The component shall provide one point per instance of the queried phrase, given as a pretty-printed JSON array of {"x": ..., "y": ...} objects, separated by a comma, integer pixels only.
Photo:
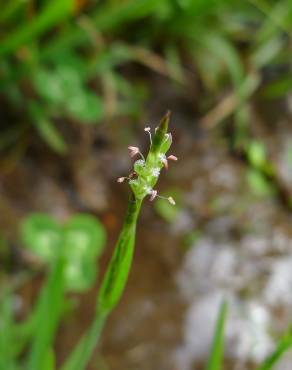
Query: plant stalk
[{"x": 111, "y": 289}]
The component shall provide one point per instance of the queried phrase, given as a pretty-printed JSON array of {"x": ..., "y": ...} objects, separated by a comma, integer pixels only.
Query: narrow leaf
[{"x": 217, "y": 352}]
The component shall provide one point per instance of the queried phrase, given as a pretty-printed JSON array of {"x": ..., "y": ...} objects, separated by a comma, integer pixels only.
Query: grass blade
[
  {"x": 217, "y": 352},
  {"x": 7, "y": 360},
  {"x": 54, "y": 12},
  {"x": 49, "y": 308},
  {"x": 284, "y": 344}
]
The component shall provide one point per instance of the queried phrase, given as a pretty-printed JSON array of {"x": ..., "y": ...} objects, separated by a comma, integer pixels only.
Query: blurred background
[{"x": 79, "y": 80}]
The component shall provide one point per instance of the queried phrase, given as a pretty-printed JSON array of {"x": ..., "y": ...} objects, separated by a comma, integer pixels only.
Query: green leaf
[
  {"x": 81, "y": 239},
  {"x": 84, "y": 239},
  {"x": 48, "y": 313},
  {"x": 7, "y": 324},
  {"x": 54, "y": 12},
  {"x": 47, "y": 129},
  {"x": 49, "y": 362},
  {"x": 222, "y": 49},
  {"x": 42, "y": 235},
  {"x": 216, "y": 357},
  {"x": 64, "y": 90},
  {"x": 278, "y": 88},
  {"x": 80, "y": 275},
  {"x": 59, "y": 84},
  {"x": 284, "y": 344},
  {"x": 85, "y": 106},
  {"x": 84, "y": 235},
  {"x": 256, "y": 153},
  {"x": 265, "y": 54},
  {"x": 258, "y": 183}
]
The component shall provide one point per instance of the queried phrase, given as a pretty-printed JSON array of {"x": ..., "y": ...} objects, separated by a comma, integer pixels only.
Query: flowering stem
[
  {"x": 141, "y": 181},
  {"x": 117, "y": 273},
  {"x": 111, "y": 288}
]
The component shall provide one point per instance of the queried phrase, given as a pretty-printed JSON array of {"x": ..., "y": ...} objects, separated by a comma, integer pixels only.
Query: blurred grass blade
[
  {"x": 105, "y": 18},
  {"x": 9, "y": 9},
  {"x": 46, "y": 129},
  {"x": 221, "y": 48},
  {"x": 49, "y": 363},
  {"x": 217, "y": 351},
  {"x": 81, "y": 354},
  {"x": 278, "y": 88},
  {"x": 284, "y": 344},
  {"x": 6, "y": 332},
  {"x": 265, "y": 54},
  {"x": 49, "y": 308},
  {"x": 54, "y": 12}
]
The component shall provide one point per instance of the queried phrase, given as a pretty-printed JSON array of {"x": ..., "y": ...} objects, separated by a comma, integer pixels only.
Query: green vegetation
[
  {"x": 52, "y": 52},
  {"x": 71, "y": 253},
  {"x": 216, "y": 356},
  {"x": 69, "y": 63}
]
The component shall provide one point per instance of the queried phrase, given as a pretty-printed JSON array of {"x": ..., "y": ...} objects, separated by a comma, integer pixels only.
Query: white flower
[
  {"x": 155, "y": 172},
  {"x": 147, "y": 189},
  {"x": 140, "y": 163}
]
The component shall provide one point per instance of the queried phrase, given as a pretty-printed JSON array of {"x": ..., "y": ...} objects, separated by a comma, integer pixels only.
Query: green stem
[
  {"x": 82, "y": 353},
  {"x": 117, "y": 273},
  {"x": 111, "y": 289},
  {"x": 48, "y": 314}
]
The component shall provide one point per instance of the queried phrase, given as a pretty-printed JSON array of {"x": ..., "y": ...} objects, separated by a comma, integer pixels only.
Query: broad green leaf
[
  {"x": 64, "y": 90},
  {"x": 84, "y": 239},
  {"x": 42, "y": 235},
  {"x": 81, "y": 274},
  {"x": 81, "y": 239},
  {"x": 84, "y": 236},
  {"x": 85, "y": 106},
  {"x": 59, "y": 84}
]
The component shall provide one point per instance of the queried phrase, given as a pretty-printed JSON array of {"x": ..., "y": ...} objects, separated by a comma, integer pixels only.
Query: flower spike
[{"x": 146, "y": 171}]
